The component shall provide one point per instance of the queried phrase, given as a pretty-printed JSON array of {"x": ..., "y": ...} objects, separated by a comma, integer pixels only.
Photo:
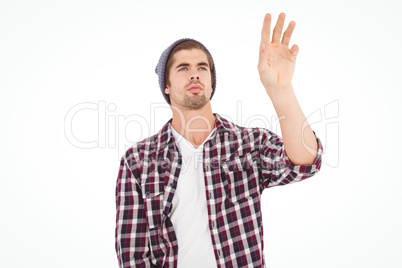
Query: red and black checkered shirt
[{"x": 239, "y": 163}]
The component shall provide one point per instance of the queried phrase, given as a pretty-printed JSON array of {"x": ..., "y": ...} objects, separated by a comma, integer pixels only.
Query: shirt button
[
  {"x": 210, "y": 195},
  {"x": 147, "y": 193},
  {"x": 219, "y": 252},
  {"x": 171, "y": 184},
  {"x": 208, "y": 168},
  {"x": 213, "y": 224}
]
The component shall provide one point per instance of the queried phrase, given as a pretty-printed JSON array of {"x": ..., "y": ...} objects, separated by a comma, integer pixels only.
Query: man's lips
[{"x": 195, "y": 89}]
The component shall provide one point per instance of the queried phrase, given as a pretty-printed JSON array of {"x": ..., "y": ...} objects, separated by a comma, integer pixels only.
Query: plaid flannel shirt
[{"x": 239, "y": 163}]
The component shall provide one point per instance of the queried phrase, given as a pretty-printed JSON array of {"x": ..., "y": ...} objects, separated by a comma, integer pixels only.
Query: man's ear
[{"x": 167, "y": 90}]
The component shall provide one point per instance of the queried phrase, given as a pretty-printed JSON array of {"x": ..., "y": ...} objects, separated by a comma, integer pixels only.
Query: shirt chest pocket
[
  {"x": 241, "y": 175},
  {"x": 153, "y": 196}
]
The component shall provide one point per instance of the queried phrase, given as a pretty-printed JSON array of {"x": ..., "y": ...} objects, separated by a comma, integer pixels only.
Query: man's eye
[
  {"x": 182, "y": 69},
  {"x": 203, "y": 68}
]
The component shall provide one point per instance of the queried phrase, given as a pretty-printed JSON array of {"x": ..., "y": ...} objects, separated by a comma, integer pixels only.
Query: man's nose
[{"x": 194, "y": 75}]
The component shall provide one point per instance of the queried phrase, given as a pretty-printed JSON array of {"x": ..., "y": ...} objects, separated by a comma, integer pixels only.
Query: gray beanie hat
[{"x": 160, "y": 69}]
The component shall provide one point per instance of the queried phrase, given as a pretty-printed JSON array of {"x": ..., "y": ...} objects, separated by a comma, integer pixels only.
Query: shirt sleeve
[
  {"x": 276, "y": 167},
  {"x": 131, "y": 232}
]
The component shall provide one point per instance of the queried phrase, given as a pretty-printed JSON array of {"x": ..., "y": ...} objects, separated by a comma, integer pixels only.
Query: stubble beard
[
  {"x": 190, "y": 102},
  {"x": 194, "y": 102}
]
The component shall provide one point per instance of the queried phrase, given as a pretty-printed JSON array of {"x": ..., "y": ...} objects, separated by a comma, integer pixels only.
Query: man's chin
[{"x": 195, "y": 102}]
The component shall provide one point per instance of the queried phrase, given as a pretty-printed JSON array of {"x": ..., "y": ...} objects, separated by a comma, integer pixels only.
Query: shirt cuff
[{"x": 309, "y": 169}]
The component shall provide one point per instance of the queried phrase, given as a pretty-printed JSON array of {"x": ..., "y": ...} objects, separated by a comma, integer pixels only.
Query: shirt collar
[
  {"x": 222, "y": 124},
  {"x": 165, "y": 135}
]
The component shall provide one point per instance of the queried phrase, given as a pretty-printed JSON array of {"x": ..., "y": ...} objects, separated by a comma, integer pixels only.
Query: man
[{"x": 189, "y": 196}]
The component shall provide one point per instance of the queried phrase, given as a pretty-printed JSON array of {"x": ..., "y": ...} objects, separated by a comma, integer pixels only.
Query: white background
[{"x": 57, "y": 203}]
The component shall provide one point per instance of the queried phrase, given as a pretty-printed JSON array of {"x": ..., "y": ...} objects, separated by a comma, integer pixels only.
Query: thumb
[
  {"x": 263, "y": 58},
  {"x": 294, "y": 50}
]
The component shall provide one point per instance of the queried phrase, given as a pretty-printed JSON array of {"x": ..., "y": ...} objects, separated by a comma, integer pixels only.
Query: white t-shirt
[{"x": 189, "y": 209}]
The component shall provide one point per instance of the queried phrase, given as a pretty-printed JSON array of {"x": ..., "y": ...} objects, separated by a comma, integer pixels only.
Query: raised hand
[{"x": 276, "y": 63}]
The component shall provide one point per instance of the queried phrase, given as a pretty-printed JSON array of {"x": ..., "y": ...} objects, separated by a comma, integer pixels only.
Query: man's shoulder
[
  {"x": 147, "y": 146},
  {"x": 247, "y": 132}
]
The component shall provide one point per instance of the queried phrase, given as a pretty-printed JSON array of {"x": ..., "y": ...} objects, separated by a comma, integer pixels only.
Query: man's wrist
[{"x": 281, "y": 97}]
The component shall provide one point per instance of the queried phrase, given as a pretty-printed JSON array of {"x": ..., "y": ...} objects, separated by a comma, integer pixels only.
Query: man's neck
[{"x": 194, "y": 125}]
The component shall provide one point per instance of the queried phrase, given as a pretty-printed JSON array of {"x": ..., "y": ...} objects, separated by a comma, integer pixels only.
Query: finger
[
  {"x": 276, "y": 36},
  {"x": 266, "y": 30},
  {"x": 288, "y": 33}
]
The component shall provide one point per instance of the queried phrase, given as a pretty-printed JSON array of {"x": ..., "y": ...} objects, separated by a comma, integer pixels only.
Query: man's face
[{"x": 190, "y": 80}]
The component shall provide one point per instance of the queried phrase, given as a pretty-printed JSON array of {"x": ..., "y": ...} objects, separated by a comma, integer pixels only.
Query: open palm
[{"x": 276, "y": 63}]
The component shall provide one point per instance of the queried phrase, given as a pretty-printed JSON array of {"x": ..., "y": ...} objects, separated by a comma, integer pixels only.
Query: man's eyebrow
[{"x": 184, "y": 64}]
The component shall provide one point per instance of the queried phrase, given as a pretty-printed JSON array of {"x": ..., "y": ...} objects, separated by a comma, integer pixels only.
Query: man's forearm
[{"x": 298, "y": 137}]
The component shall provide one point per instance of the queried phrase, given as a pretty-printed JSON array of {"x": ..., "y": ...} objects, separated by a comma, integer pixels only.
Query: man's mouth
[{"x": 195, "y": 89}]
